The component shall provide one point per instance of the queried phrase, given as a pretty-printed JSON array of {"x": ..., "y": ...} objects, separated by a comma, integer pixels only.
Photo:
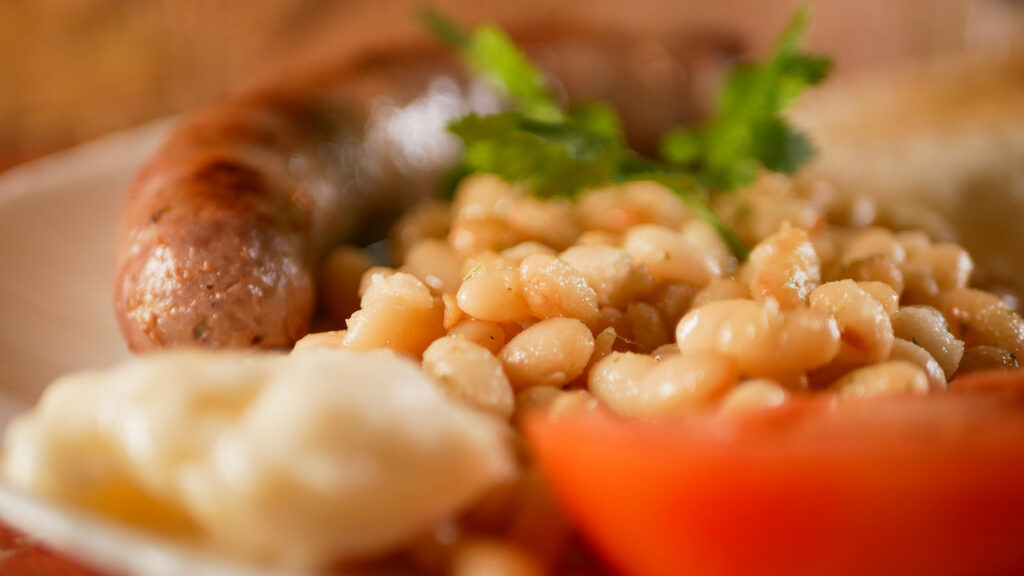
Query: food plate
[
  {"x": 57, "y": 219},
  {"x": 57, "y": 223}
]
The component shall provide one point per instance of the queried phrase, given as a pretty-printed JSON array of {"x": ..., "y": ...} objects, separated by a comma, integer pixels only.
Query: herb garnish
[
  {"x": 748, "y": 130},
  {"x": 557, "y": 152}
]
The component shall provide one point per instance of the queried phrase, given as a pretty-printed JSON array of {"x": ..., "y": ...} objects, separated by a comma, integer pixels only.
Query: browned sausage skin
[{"x": 221, "y": 230}]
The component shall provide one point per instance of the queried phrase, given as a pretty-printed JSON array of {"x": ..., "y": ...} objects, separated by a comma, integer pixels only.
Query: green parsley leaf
[
  {"x": 553, "y": 152},
  {"x": 748, "y": 131},
  {"x": 492, "y": 55},
  {"x": 444, "y": 28},
  {"x": 550, "y": 158}
]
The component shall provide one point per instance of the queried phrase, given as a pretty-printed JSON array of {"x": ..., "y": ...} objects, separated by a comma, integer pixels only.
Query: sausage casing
[{"x": 222, "y": 229}]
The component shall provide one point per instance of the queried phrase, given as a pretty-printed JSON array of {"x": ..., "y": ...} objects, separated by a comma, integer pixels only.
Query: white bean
[
  {"x": 751, "y": 395},
  {"x": 906, "y": 350},
  {"x": 761, "y": 339},
  {"x": 865, "y": 327},
  {"x": 983, "y": 319},
  {"x": 435, "y": 263},
  {"x": 550, "y": 353},
  {"x": 670, "y": 256},
  {"x": 470, "y": 373},
  {"x": 610, "y": 271},
  {"x": 494, "y": 294},
  {"x": 398, "y": 312},
  {"x": 926, "y": 327},
  {"x": 892, "y": 377},
  {"x": 553, "y": 288},
  {"x": 615, "y": 379},
  {"x": 784, "y": 266}
]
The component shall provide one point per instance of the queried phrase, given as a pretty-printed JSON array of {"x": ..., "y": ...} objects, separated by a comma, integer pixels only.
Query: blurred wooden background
[{"x": 71, "y": 70}]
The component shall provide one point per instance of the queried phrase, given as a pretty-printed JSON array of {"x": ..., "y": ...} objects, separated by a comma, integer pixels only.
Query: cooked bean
[
  {"x": 472, "y": 265},
  {"x": 883, "y": 294},
  {"x": 615, "y": 379},
  {"x": 610, "y": 271},
  {"x": 604, "y": 343},
  {"x": 612, "y": 318},
  {"x": 876, "y": 268},
  {"x": 939, "y": 269},
  {"x": 316, "y": 340},
  {"x": 759, "y": 214},
  {"x": 950, "y": 265},
  {"x": 682, "y": 383},
  {"x": 516, "y": 254},
  {"x": 452, "y": 313},
  {"x": 705, "y": 238},
  {"x": 721, "y": 289},
  {"x": 828, "y": 245},
  {"x": 670, "y": 256},
  {"x": 920, "y": 286},
  {"x": 865, "y": 327},
  {"x": 553, "y": 288},
  {"x": 550, "y": 353},
  {"x": 978, "y": 358},
  {"x": 536, "y": 398},
  {"x": 874, "y": 242},
  {"x": 906, "y": 350},
  {"x": 752, "y": 395},
  {"x": 914, "y": 242},
  {"x": 512, "y": 329},
  {"x": 480, "y": 196},
  {"x": 673, "y": 300},
  {"x": 648, "y": 329},
  {"x": 470, "y": 373},
  {"x": 480, "y": 557},
  {"x": 598, "y": 238},
  {"x": 926, "y": 327},
  {"x": 664, "y": 351},
  {"x": 550, "y": 221},
  {"x": 843, "y": 209},
  {"x": 398, "y": 312},
  {"x": 468, "y": 237},
  {"x": 892, "y": 377},
  {"x": 340, "y": 276},
  {"x": 784, "y": 266},
  {"x": 436, "y": 264},
  {"x": 983, "y": 319},
  {"x": 494, "y": 294},
  {"x": 431, "y": 220},
  {"x": 761, "y": 339},
  {"x": 490, "y": 335},
  {"x": 617, "y": 208},
  {"x": 371, "y": 276},
  {"x": 636, "y": 385},
  {"x": 572, "y": 402}
]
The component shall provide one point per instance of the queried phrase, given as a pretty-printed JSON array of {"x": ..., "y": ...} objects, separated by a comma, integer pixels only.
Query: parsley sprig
[
  {"x": 557, "y": 152},
  {"x": 748, "y": 131}
]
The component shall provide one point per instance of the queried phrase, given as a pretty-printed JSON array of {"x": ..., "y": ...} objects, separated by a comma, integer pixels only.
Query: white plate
[
  {"x": 57, "y": 223},
  {"x": 58, "y": 218}
]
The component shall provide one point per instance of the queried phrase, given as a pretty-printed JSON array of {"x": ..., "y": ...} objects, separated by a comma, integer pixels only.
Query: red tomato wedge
[{"x": 897, "y": 486}]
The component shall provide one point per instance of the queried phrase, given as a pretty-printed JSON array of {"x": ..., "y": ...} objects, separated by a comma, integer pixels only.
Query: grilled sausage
[{"x": 222, "y": 229}]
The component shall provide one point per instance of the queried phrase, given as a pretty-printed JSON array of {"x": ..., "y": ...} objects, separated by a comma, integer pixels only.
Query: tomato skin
[
  {"x": 897, "y": 486},
  {"x": 1009, "y": 383}
]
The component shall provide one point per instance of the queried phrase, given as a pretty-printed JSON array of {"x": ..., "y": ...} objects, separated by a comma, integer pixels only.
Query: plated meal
[{"x": 553, "y": 315}]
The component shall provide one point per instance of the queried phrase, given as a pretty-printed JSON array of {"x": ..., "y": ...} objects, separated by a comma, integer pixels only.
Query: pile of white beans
[{"x": 624, "y": 298}]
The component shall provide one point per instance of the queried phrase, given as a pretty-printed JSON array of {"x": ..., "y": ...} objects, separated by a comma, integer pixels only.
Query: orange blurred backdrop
[{"x": 71, "y": 70}]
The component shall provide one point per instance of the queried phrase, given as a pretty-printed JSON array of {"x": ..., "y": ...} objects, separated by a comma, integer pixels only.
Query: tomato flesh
[{"x": 911, "y": 485}]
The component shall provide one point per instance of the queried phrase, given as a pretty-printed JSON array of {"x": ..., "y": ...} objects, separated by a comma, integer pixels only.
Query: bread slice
[{"x": 939, "y": 147}]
